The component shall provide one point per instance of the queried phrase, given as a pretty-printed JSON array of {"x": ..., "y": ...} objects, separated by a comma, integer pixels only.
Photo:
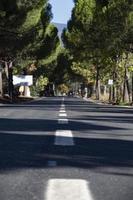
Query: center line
[
  {"x": 62, "y": 111},
  {"x": 62, "y": 106},
  {"x": 62, "y": 121},
  {"x": 68, "y": 189},
  {"x": 64, "y": 138},
  {"x": 62, "y": 114}
]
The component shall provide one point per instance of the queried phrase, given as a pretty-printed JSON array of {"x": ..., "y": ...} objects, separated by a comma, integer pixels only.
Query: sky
[{"x": 61, "y": 10}]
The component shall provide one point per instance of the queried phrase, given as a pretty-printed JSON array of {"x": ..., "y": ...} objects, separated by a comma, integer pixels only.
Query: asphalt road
[{"x": 66, "y": 149}]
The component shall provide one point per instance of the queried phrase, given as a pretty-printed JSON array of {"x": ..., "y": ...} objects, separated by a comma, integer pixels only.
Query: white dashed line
[
  {"x": 68, "y": 189},
  {"x": 62, "y": 111},
  {"x": 62, "y": 106},
  {"x": 62, "y": 121},
  {"x": 64, "y": 138},
  {"x": 62, "y": 115}
]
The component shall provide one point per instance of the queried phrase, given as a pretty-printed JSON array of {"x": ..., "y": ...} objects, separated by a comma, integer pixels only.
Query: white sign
[
  {"x": 110, "y": 82},
  {"x": 25, "y": 80}
]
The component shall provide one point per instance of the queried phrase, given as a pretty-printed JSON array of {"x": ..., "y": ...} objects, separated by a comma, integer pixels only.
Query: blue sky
[{"x": 61, "y": 10}]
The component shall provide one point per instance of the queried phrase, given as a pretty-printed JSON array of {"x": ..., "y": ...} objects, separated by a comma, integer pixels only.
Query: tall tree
[
  {"x": 96, "y": 34},
  {"x": 26, "y": 33}
]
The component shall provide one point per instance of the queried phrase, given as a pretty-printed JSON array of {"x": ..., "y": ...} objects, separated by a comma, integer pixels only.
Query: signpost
[
  {"x": 24, "y": 81},
  {"x": 110, "y": 82}
]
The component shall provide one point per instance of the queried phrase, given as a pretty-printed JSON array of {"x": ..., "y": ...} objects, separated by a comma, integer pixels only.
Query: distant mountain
[{"x": 60, "y": 28}]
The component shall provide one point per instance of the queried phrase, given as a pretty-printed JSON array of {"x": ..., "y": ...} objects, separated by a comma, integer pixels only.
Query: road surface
[{"x": 66, "y": 148}]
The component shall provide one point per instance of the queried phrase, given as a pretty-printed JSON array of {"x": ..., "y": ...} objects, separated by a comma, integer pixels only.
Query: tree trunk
[
  {"x": 126, "y": 90},
  {"x": 110, "y": 94},
  {"x": 132, "y": 87},
  {"x": 1, "y": 89},
  {"x": 114, "y": 87},
  {"x": 97, "y": 83},
  {"x": 10, "y": 83}
]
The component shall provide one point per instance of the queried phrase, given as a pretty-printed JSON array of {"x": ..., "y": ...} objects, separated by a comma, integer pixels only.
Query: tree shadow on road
[
  {"x": 26, "y": 143},
  {"x": 87, "y": 106},
  {"x": 47, "y": 125}
]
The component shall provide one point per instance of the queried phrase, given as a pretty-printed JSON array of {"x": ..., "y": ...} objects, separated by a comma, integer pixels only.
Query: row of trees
[
  {"x": 98, "y": 44},
  {"x": 28, "y": 41},
  {"x": 99, "y": 41}
]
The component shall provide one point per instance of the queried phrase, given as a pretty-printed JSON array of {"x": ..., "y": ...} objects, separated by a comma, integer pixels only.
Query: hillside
[{"x": 60, "y": 27}]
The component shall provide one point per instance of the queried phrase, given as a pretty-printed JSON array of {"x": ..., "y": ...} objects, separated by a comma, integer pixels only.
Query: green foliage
[
  {"x": 94, "y": 32},
  {"x": 97, "y": 35},
  {"x": 63, "y": 88},
  {"x": 39, "y": 86},
  {"x": 26, "y": 34},
  {"x": 82, "y": 70},
  {"x": 62, "y": 70},
  {"x": 41, "y": 83},
  {"x": 49, "y": 44}
]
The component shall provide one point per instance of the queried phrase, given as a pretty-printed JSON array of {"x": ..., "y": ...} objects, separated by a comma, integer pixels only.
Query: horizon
[{"x": 58, "y": 23}]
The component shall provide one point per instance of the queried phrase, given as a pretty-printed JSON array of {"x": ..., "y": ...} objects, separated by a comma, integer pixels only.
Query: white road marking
[
  {"x": 64, "y": 138},
  {"x": 62, "y": 115},
  {"x": 62, "y": 111},
  {"x": 52, "y": 163},
  {"x": 61, "y": 108},
  {"x": 68, "y": 189},
  {"x": 62, "y": 121}
]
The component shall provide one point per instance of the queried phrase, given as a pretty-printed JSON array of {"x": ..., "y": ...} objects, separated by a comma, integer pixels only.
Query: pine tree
[
  {"x": 26, "y": 34},
  {"x": 98, "y": 35}
]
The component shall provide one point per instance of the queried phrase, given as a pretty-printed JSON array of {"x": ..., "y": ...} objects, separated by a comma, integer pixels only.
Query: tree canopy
[
  {"x": 25, "y": 30},
  {"x": 98, "y": 34}
]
